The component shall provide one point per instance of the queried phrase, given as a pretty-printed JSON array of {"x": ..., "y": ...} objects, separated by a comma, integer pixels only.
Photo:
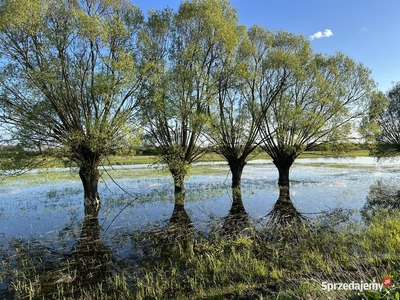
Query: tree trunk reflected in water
[
  {"x": 237, "y": 222},
  {"x": 172, "y": 242},
  {"x": 180, "y": 219},
  {"x": 91, "y": 256},
  {"x": 89, "y": 263},
  {"x": 79, "y": 264},
  {"x": 284, "y": 213},
  {"x": 382, "y": 197},
  {"x": 176, "y": 240}
]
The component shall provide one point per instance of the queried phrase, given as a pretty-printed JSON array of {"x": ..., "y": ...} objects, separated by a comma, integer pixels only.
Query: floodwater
[
  {"x": 46, "y": 206},
  {"x": 49, "y": 209}
]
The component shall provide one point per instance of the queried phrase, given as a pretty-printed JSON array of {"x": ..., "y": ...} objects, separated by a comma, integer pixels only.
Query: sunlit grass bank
[
  {"x": 50, "y": 171},
  {"x": 49, "y": 161},
  {"x": 176, "y": 262},
  {"x": 141, "y": 159},
  {"x": 54, "y": 175}
]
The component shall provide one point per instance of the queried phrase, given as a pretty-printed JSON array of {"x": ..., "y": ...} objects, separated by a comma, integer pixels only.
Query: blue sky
[{"x": 368, "y": 31}]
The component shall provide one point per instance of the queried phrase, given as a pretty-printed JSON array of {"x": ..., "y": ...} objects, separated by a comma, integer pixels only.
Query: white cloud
[{"x": 321, "y": 34}]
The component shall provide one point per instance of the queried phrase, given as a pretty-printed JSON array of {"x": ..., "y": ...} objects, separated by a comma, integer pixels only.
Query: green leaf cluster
[{"x": 71, "y": 74}]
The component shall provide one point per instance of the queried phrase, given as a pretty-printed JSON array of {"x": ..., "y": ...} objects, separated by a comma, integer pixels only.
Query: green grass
[
  {"x": 352, "y": 153},
  {"x": 132, "y": 160},
  {"x": 282, "y": 263},
  {"x": 52, "y": 162},
  {"x": 293, "y": 266},
  {"x": 211, "y": 157},
  {"x": 151, "y": 168}
]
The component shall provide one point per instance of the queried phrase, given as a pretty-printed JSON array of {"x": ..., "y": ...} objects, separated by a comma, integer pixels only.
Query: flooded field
[
  {"x": 43, "y": 203},
  {"x": 46, "y": 207}
]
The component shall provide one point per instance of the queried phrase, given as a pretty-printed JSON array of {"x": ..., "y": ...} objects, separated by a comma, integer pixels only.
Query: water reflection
[
  {"x": 383, "y": 196},
  {"x": 88, "y": 264},
  {"x": 238, "y": 221},
  {"x": 165, "y": 243},
  {"x": 73, "y": 267},
  {"x": 284, "y": 213},
  {"x": 179, "y": 220},
  {"x": 91, "y": 257}
]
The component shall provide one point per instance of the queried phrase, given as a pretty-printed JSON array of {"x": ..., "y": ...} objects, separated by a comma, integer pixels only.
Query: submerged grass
[{"x": 178, "y": 262}]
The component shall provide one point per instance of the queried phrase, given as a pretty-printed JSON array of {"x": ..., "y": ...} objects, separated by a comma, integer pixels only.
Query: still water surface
[{"x": 47, "y": 208}]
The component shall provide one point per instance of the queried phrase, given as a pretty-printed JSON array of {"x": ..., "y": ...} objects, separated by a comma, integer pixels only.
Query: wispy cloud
[{"x": 321, "y": 34}]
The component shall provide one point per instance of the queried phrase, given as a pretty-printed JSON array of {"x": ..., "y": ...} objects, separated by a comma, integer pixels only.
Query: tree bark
[
  {"x": 284, "y": 195},
  {"x": 179, "y": 179},
  {"x": 236, "y": 166},
  {"x": 283, "y": 167},
  {"x": 90, "y": 175}
]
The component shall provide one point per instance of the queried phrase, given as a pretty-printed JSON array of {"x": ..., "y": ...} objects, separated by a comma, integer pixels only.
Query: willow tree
[
  {"x": 234, "y": 118},
  {"x": 251, "y": 84},
  {"x": 70, "y": 77},
  {"x": 387, "y": 137},
  {"x": 320, "y": 101},
  {"x": 184, "y": 51}
]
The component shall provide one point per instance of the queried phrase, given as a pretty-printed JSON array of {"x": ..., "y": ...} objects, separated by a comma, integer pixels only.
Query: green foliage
[
  {"x": 70, "y": 74},
  {"x": 309, "y": 99},
  {"x": 234, "y": 117},
  {"x": 322, "y": 98},
  {"x": 24, "y": 13},
  {"x": 15, "y": 160},
  {"x": 185, "y": 51},
  {"x": 75, "y": 73},
  {"x": 384, "y": 120}
]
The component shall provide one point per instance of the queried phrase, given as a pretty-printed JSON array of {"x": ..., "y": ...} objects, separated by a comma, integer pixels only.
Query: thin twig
[{"x": 128, "y": 204}]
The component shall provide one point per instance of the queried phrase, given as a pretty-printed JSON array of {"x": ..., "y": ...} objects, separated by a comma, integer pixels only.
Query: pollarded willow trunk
[
  {"x": 88, "y": 161},
  {"x": 90, "y": 176},
  {"x": 179, "y": 179},
  {"x": 284, "y": 195},
  {"x": 283, "y": 167},
  {"x": 236, "y": 166}
]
